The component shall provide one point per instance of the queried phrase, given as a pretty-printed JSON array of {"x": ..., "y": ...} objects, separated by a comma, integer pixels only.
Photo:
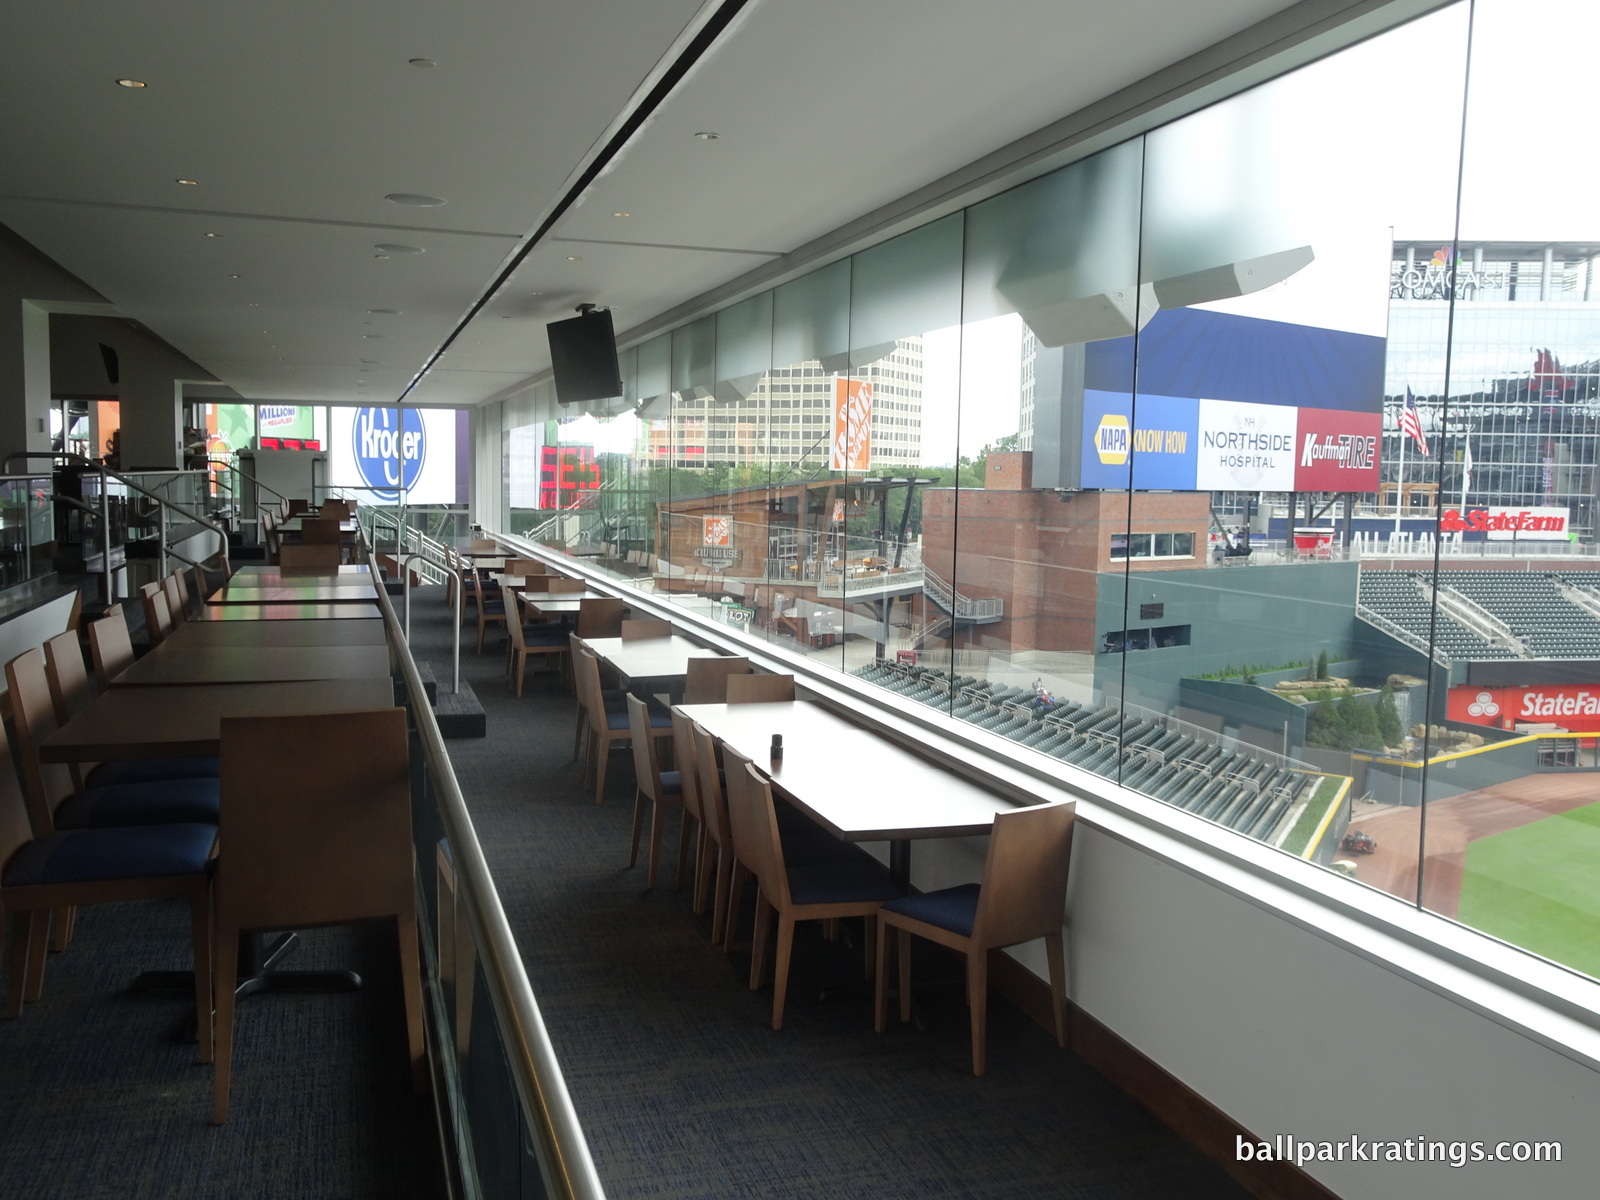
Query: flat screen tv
[{"x": 583, "y": 357}]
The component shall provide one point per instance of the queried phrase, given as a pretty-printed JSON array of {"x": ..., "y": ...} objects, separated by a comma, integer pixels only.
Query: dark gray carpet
[{"x": 683, "y": 1088}]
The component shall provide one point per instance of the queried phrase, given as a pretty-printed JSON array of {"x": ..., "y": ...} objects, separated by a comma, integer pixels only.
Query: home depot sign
[
  {"x": 1573, "y": 707},
  {"x": 1501, "y": 523}
]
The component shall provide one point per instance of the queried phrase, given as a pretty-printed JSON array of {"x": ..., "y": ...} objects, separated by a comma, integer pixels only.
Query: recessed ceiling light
[
  {"x": 384, "y": 312},
  {"x": 413, "y": 200},
  {"x": 235, "y": 276},
  {"x": 397, "y": 248},
  {"x": 188, "y": 182},
  {"x": 369, "y": 361},
  {"x": 621, "y": 214},
  {"x": 373, "y": 337},
  {"x": 213, "y": 235},
  {"x": 252, "y": 304},
  {"x": 574, "y": 258},
  {"x": 707, "y": 136},
  {"x": 380, "y": 256},
  {"x": 423, "y": 63},
  {"x": 130, "y": 83}
]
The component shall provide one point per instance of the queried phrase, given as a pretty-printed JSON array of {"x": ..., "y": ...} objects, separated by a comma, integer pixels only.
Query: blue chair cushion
[
  {"x": 952, "y": 908},
  {"x": 672, "y": 783},
  {"x": 840, "y": 883},
  {"x": 142, "y": 852},
  {"x": 144, "y": 770},
  {"x": 660, "y": 718},
  {"x": 159, "y": 802}
]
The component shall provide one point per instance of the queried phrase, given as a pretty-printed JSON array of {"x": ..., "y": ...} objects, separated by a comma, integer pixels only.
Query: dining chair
[
  {"x": 293, "y": 506},
  {"x": 174, "y": 598},
  {"x": 692, "y": 837},
  {"x": 604, "y": 719},
  {"x": 529, "y": 638},
  {"x": 714, "y": 815},
  {"x": 198, "y": 587},
  {"x": 53, "y": 800},
  {"x": 70, "y": 694},
  {"x": 491, "y": 606},
  {"x": 848, "y": 888},
  {"x": 1022, "y": 897},
  {"x": 522, "y": 566},
  {"x": 639, "y": 629},
  {"x": 110, "y": 647},
  {"x": 335, "y": 509},
  {"x": 483, "y": 545},
  {"x": 662, "y": 790},
  {"x": 157, "y": 617},
  {"x": 560, "y": 585},
  {"x": 319, "y": 837},
  {"x": 269, "y": 534},
  {"x": 324, "y": 531},
  {"x": 180, "y": 576},
  {"x": 601, "y": 617},
  {"x": 707, "y": 679},
  {"x": 45, "y": 871},
  {"x": 760, "y": 689},
  {"x": 309, "y": 555}
]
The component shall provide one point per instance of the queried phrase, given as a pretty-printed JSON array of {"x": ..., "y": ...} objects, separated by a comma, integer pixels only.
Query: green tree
[
  {"x": 1325, "y": 728},
  {"x": 1389, "y": 727},
  {"x": 1322, "y": 665},
  {"x": 1360, "y": 723}
]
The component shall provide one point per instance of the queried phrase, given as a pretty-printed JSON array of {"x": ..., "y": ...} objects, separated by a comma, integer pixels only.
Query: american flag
[{"x": 1410, "y": 425}]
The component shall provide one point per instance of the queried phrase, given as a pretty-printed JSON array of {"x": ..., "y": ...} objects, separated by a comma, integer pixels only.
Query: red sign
[
  {"x": 568, "y": 469},
  {"x": 1500, "y": 523},
  {"x": 1570, "y": 706},
  {"x": 1336, "y": 451}
]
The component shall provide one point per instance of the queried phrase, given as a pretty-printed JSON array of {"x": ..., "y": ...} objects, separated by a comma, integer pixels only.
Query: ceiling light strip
[{"x": 716, "y": 23}]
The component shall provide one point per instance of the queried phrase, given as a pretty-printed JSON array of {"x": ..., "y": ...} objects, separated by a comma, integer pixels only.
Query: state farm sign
[
  {"x": 1502, "y": 523},
  {"x": 1572, "y": 707}
]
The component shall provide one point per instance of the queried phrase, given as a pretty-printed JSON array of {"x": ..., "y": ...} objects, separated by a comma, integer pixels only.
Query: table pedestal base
[{"x": 256, "y": 973}]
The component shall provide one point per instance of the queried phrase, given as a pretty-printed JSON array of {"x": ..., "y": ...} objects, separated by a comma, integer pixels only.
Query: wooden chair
[
  {"x": 157, "y": 617},
  {"x": 110, "y": 647},
  {"x": 269, "y": 534},
  {"x": 70, "y": 693},
  {"x": 850, "y": 888},
  {"x": 1022, "y": 897},
  {"x": 707, "y": 680},
  {"x": 560, "y": 585},
  {"x": 174, "y": 598},
  {"x": 491, "y": 606},
  {"x": 53, "y": 799},
  {"x": 482, "y": 545},
  {"x": 318, "y": 837},
  {"x": 186, "y": 600},
  {"x": 40, "y": 872},
  {"x": 310, "y": 556},
  {"x": 601, "y": 618},
  {"x": 640, "y": 630},
  {"x": 714, "y": 818},
  {"x": 523, "y": 566},
  {"x": 322, "y": 532},
  {"x": 606, "y": 723},
  {"x": 293, "y": 506},
  {"x": 663, "y": 790},
  {"x": 335, "y": 509},
  {"x": 198, "y": 585},
  {"x": 541, "y": 639},
  {"x": 760, "y": 689}
]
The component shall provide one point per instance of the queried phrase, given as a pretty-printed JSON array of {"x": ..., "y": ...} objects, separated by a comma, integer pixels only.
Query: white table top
[
  {"x": 857, "y": 785},
  {"x": 649, "y": 658}
]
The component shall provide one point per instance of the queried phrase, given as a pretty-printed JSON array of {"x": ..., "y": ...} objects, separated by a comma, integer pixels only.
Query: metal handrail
[
  {"x": 461, "y": 584},
  {"x": 234, "y": 466},
  {"x": 564, "y": 1159},
  {"x": 105, "y": 509}
]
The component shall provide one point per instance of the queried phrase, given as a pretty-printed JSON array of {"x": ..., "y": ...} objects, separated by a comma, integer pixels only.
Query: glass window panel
[
  {"x": 694, "y": 353},
  {"x": 655, "y": 368},
  {"x": 811, "y": 318}
]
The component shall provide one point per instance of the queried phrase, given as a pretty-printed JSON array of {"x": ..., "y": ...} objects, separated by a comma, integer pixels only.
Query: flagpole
[{"x": 1400, "y": 481}]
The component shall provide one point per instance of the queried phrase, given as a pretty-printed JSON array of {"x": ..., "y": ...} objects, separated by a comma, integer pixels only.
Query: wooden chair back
[
  {"x": 538, "y": 585},
  {"x": 586, "y": 678},
  {"x": 309, "y": 555},
  {"x": 478, "y": 544},
  {"x": 157, "y": 617},
  {"x": 197, "y": 585},
  {"x": 746, "y": 830},
  {"x": 294, "y": 506},
  {"x": 16, "y": 824},
  {"x": 514, "y": 619},
  {"x": 646, "y": 765},
  {"x": 323, "y": 532},
  {"x": 70, "y": 690},
  {"x": 110, "y": 647},
  {"x": 760, "y": 689},
  {"x": 523, "y": 566},
  {"x": 180, "y": 576},
  {"x": 601, "y": 618},
  {"x": 1024, "y": 892},
  {"x": 683, "y": 756},
  {"x": 561, "y": 585},
  {"x": 335, "y": 510},
  {"x": 713, "y": 804},
  {"x": 707, "y": 680},
  {"x": 33, "y": 715},
  {"x": 639, "y": 629},
  {"x": 174, "y": 596},
  {"x": 764, "y": 825},
  {"x": 269, "y": 530}
]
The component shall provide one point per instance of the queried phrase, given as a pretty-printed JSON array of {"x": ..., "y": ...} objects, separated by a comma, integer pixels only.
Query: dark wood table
[
  {"x": 552, "y": 604},
  {"x": 184, "y": 722},
  {"x": 291, "y": 612},
  {"x": 179, "y": 662},
  {"x": 859, "y": 786},
  {"x": 250, "y": 573},
  {"x": 255, "y": 634},
  {"x": 296, "y": 591}
]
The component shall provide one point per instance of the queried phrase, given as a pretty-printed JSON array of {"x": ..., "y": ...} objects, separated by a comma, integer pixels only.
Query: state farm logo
[
  {"x": 1484, "y": 706},
  {"x": 1560, "y": 704},
  {"x": 1504, "y": 520},
  {"x": 1350, "y": 452}
]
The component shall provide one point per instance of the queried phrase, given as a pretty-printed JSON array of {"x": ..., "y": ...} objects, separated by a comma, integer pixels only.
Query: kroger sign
[{"x": 390, "y": 448}]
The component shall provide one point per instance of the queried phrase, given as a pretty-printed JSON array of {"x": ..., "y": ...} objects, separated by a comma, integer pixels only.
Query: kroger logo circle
[{"x": 390, "y": 448}]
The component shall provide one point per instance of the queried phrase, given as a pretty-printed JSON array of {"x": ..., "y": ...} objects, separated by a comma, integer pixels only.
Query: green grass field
[{"x": 1539, "y": 887}]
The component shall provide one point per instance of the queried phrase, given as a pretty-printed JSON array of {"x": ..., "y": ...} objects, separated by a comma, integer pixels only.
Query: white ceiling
[{"x": 297, "y": 117}]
